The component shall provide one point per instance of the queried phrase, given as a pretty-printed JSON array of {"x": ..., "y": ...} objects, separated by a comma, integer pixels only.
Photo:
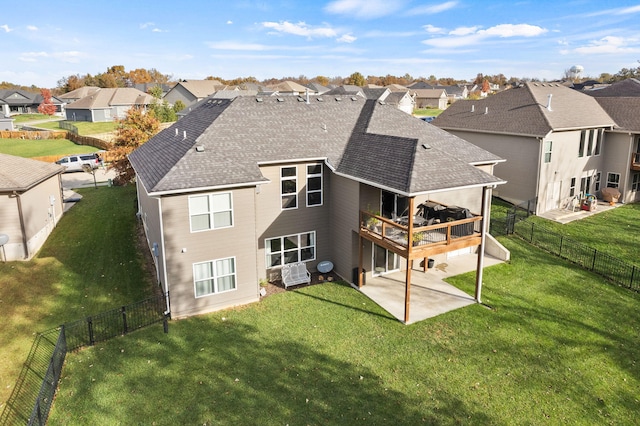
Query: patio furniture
[{"x": 295, "y": 274}]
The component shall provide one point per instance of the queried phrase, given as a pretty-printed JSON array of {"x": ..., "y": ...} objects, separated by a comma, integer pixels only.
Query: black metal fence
[
  {"x": 31, "y": 398},
  {"x": 610, "y": 267}
]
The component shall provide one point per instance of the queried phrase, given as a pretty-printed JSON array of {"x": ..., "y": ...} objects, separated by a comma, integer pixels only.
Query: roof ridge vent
[{"x": 280, "y": 99}]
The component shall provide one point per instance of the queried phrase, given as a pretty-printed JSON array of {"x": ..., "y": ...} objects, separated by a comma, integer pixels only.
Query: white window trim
[
  {"x": 550, "y": 151},
  {"x": 215, "y": 277},
  {"x": 617, "y": 184},
  {"x": 282, "y": 251},
  {"x": 321, "y": 190},
  {"x": 211, "y": 211},
  {"x": 293, "y": 178}
]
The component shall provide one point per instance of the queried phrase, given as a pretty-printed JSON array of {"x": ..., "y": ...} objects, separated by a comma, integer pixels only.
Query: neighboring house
[
  {"x": 621, "y": 101},
  {"x": 192, "y": 91},
  {"x": 553, "y": 138},
  {"x": 147, "y": 87},
  {"x": 30, "y": 204},
  {"x": 317, "y": 88},
  {"x": 401, "y": 100},
  {"x": 6, "y": 122},
  {"x": 353, "y": 90},
  {"x": 430, "y": 98},
  {"x": 290, "y": 88},
  {"x": 454, "y": 93},
  {"x": 77, "y": 94},
  {"x": 107, "y": 104},
  {"x": 15, "y": 101},
  {"x": 240, "y": 187}
]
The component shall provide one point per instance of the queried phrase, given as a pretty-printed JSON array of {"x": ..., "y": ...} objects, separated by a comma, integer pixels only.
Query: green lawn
[
  {"x": 427, "y": 112},
  {"x": 43, "y": 147},
  {"x": 23, "y": 118},
  {"x": 557, "y": 346},
  {"x": 553, "y": 345},
  {"x": 85, "y": 128},
  {"x": 88, "y": 265}
]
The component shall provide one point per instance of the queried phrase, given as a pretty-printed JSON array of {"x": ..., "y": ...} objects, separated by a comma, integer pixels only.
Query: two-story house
[
  {"x": 239, "y": 187},
  {"x": 552, "y": 137}
]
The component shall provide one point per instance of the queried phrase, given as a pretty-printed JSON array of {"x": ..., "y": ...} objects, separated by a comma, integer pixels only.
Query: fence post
[
  {"x": 593, "y": 262},
  {"x": 124, "y": 319},
  {"x": 633, "y": 273},
  {"x": 92, "y": 339},
  {"x": 560, "y": 249},
  {"x": 532, "y": 227}
]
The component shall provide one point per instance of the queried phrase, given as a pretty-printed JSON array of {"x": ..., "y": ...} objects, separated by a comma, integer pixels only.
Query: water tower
[{"x": 576, "y": 71}]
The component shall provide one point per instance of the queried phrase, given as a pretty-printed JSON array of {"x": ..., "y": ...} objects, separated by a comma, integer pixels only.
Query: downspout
[
  {"x": 164, "y": 255},
  {"x": 483, "y": 237},
  {"x": 22, "y": 225},
  {"x": 538, "y": 169}
]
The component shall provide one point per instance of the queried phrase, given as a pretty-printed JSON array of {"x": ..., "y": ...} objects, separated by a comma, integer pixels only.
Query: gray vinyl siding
[
  {"x": 521, "y": 169},
  {"x": 179, "y": 93},
  {"x": 344, "y": 225},
  {"x": 40, "y": 217},
  {"x": 272, "y": 221},
  {"x": 10, "y": 220},
  {"x": 183, "y": 248},
  {"x": 149, "y": 209},
  {"x": 620, "y": 148}
]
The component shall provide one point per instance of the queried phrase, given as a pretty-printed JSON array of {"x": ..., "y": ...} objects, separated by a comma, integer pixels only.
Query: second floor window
[
  {"x": 314, "y": 185},
  {"x": 548, "y": 145},
  {"x": 210, "y": 211},
  {"x": 289, "y": 187}
]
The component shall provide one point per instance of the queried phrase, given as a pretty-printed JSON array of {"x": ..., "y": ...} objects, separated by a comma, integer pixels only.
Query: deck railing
[{"x": 396, "y": 234}]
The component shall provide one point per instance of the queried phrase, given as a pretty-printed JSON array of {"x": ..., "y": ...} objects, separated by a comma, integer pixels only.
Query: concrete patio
[
  {"x": 430, "y": 295},
  {"x": 567, "y": 215}
]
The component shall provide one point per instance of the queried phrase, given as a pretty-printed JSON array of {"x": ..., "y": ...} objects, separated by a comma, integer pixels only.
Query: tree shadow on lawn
[{"x": 210, "y": 371}]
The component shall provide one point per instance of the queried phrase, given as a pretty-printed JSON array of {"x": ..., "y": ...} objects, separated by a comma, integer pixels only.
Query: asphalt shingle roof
[
  {"x": 106, "y": 98},
  {"x": 625, "y": 88},
  {"x": 359, "y": 138},
  {"x": 20, "y": 174},
  {"x": 523, "y": 111},
  {"x": 625, "y": 112}
]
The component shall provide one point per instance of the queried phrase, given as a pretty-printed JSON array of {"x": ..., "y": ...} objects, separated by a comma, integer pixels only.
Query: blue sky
[{"x": 195, "y": 39}]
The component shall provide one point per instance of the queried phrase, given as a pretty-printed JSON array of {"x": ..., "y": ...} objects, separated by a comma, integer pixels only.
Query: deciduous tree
[
  {"x": 356, "y": 79},
  {"x": 46, "y": 107},
  {"x": 132, "y": 131}
]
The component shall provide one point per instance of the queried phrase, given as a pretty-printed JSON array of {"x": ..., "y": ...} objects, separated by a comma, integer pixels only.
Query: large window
[
  {"x": 210, "y": 211},
  {"x": 289, "y": 187},
  {"x": 290, "y": 249},
  {"x": 635, "y": 184},
  {"x": 613, "y": 180},
  {"x": 583, "y": 136},
  {"x": 598, "y": 147},
  {"x": 215, "y": 276},
  {"x": 572, "y": 187},
  {"x": 548, "y": 145},
  {"x": 314, "y": 185},
  {"x": 596, "y": 182}
]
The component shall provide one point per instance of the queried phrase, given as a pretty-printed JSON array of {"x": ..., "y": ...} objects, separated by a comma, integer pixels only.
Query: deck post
[
  {"x": 407, "y": 294},
  {"x": 359, "y": 283},
  {"x": 483, "y": 236}
]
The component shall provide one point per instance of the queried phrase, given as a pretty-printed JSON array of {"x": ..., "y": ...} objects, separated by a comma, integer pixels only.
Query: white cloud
[
  {"x": 6, "y": 28},
  {"x": 608, "y": 45},
  {"x": 233, "y": 45},
  {"x": 433, "y": 9},
  {"x": 463, "y": 31},
  {"x": 229, "y": 22},
  {"x": 365, "y": 9},
  {"x": 146, "y": 25},
  {"x": 32, "y": 56},
  {"x": 300, "y": 29},
  {"x": 32, "y": 28},
  {"x": 465, "y": 36},
  {"x": 433, "y": 30},
  {"x": 346, "y": 38}
]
